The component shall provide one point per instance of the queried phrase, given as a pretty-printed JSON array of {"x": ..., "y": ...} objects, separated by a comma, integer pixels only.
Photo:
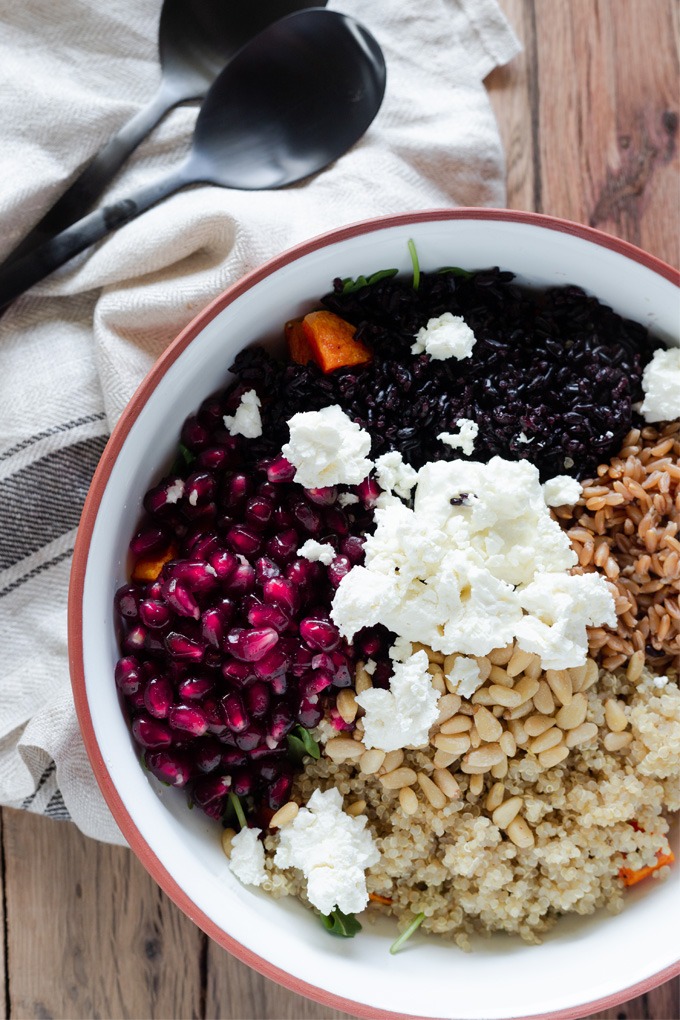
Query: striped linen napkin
[{"x": 73, "y": 350}]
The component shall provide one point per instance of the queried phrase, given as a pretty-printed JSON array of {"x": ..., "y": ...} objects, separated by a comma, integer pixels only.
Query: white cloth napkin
[{"x": 74, "y": 349}]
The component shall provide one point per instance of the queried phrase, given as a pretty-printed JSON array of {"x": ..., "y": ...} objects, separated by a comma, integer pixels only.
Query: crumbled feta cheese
[
  {"x": 175, "y": 491},
  {"x": 447, "y": 336},
  {"x": 393, "y": 474},
  {"x": 370, "y": 666},
  {"x": 463, "y": 440},
  {"x": 466, "y": 676},
  {"x": 401, "y": 650},
  {"x": 327, "y": 448},
  {"x": 193, "y": 498},
  {"x": 402, "y": 716},
  {"x": 661, "y": 386},
  {"x": 450, "y": 573},
  {"x": 246, "y": 421},
  {"x": 332, "y": 849},
  {"x": 317, "y": 552},
  {"x": 659, "y": 682},
  {"x": 559, "y": 608},
  {"x": 522, "y": 438},
  {"x": 347, "y": 499},
  {"x": 247, "y": 857},
  {"x": 562, "y": 490}
]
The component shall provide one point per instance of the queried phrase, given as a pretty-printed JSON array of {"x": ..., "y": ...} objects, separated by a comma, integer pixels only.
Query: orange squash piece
[
  {"x": 631, "y": 877},
  {"x": 332, "y": 342},
  {"x": 375, "y": 897},
  {"x": 147, "y": 568},
  {"x": 298, "y": 345}
]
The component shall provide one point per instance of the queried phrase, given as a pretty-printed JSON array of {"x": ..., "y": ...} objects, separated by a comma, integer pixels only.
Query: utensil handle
[
  {"x": 86, "y": 188},
  {"x": 32, "y": 268}
]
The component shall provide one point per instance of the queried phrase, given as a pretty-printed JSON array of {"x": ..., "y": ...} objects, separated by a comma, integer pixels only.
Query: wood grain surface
[{"x": 588, "y": 114}]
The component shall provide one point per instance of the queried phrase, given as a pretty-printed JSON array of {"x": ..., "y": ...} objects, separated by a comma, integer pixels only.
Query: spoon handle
[
  {"x": 32, "y": 268},
  {"x": 89, "y": 185}
]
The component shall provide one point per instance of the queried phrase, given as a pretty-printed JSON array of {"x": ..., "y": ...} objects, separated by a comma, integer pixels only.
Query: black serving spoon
[
  {"x": 290, "y": 102},
  {"x": 196, "y": 39}
]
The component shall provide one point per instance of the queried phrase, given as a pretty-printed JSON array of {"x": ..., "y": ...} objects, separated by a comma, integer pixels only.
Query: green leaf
[
  {"x": 238, "y": 810},
  {"x": 337, "y": 923},
  {"x": 416, "y": 264},
  {"x": 406, "y": 935},
  {"x": 456, "y": 271},
  {"x": 301, "y": 742},
  {"x": 350, "y": 286},
  {"x": 183, "y": 459}
]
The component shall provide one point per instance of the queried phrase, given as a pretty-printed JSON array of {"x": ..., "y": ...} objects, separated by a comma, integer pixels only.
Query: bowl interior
[{"x": 582, "y": 959}]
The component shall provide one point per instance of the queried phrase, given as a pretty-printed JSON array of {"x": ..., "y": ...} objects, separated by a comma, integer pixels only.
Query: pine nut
[
  {"x": 484, "y": 667},
  {"x": 475, "y": 739},
  {"x": 371, "y": 761},
  {"x": 448, "y": 705},
  {"x": 476, "y": 785},
  {"x": 634, "y": 671},
  {"x": 346, "y": 705},
  {"x": 508, "y": 744},
  {"x": 578, "y": 675},
  {"x": 520, "y": 833},
  {"x": 534, "y": 669},
  {"x": 442, "y": 759},
  {"x": 508, "y": 810},
  {"x": 517, "y": 728},
  {"x": 226, "y": 840},
  {"x": 543, "y": 699},
  {"x": 615, "y": 716},
  {"x": 500, "y": 771},
  {"x": 505, "y": 696},
  {"x": 446, "y": 783},
  {"x": 559, "y": 682},
  {"x": 286, "y": 814},
  {"x": 499, "y": 656},
  {"x": 551, "y": 738},
  {"x": 399, "y": 778},
  {"x": 527, "y": 687},
  {"x": 453, "y": 744},
  {"x": 487, "y": 724},
  {"x": 482, "y": 697},
  {"x": 341, "y": 748},
  {"x": 617, "y": 741},
  {"x": 583, "y": 734},
  {"x": 571, "y": 716},
  {"x": 459, "y": 724},
  {"x": 519, "y": 660},
  {"x": 357, "y": 808},
  {"x": 553, "y": 756},
  {"x": 537, "y": 724},
  {"x": 438, "y": 681},
  {"x": 482, "y": 758},
  {"x": 408, "y": 800},
  {"x": 495, "y": 796},
  {"x": 362, "y": 680},
  {"x": 498, "y": 675},
  {"x": 433, "y": 656},
  {"x": 592, "y": 674},
  {"x": 520, "y": 712},
  {"x": 449, "y": 662},
  {"x": 393, "y": 760},
  {"x": 432, "y": 792}
]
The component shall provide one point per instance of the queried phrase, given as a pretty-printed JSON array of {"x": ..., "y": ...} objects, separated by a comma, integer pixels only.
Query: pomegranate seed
[
  {"x": 280, "y": 591},
  {"x": 148, "y": 539},
  {"x": 194, "y": 688},
  {"x": 273, "y": 664},
  {"x": 353, "y": 548},
  {"x": 135, "y": 701},
  {"x": 179, "y": 646},
  {"x": 233, "y": 757},
  {"x": 322, "y": 497},
  {"x": 342, "y": 676},
  {"x": 169, "y": 766},
  {"x": 243, "y": 783},
  {"x": 163, "y": 495},
  {"x": 280, "y": 470},
  {"x": 244, "y": 540},
  {"x": 265, "y": 569},
  {"x": 194, "y": 435},
  {"x": 237, "y": 673},
  {"x": 150, "y": 732},
  {"x": 223, "y": 562},
  {"x": 303, "y": 573},
  {"x": 268, "y": 616},
  {"x": 212, "y": 627},
  {"x": 369, "y": 644},
  {"x": 279, "y": 683},
  {"x": 339, "y": 568},
  {"x": 235, "y": 491},
  {"x": 199, "y": 488},
  {"x": 368, "y": 492},
  {"x": 208, "y": 755},
  {"x": 319, "y": 634},
  {"x": 188, "y": 718},
  {"x": 277, "y": 794},
  {"x": 251, "y": 645},
  {"x": 154, "y": 614},
  {"x": 180, "y": 599},
  {"x": 336, "y": 521},
  {"x": 282, "y": 547},
  {"x": 283, "y": 518},
  {"x": 314, "y": 683},
  {"x": 281, "y": 721},
  {"x": 215, "y": 458},
  {"x": 154, "y": 590},
  {"x": 215, "y": 716},
  {"x": 127, "y": 675},
  {"x": 196, "y": 575},
  {"x": 309, "y": 712},
  {"x": 135, "y": 639},
  {"x": 210, "y": 412},
  {"x": 251, "y": 737},
  {"x": 258, "y": 511},
  {"x": 257, "y": 699},
  {"x": 210, "y": 789},
  {"x": 203, "y": 545},
  {"x": 235, "y": 713},
  {"x": 158, "y": 696},
  {"x": 307, "y": 517},
  {"x": 125, "y": 601},
  {"x": 303, "y": 660},
  {"x": 242, "y": 580}
]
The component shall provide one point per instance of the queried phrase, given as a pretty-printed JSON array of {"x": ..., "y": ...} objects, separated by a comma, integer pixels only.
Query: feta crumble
[
  {"x": 661, "y": 386},
  {"x": 464, "y": 439},
  {"x": 447, "y": 336},
  {"x": 175, "y": 491},
  {"x": 465, "y": 676},
  {"x": 247, "y": 857},
  {"x": 347, "y": 499},
  {"x": 402, "y": 716},
  {"x": 401, "y": 650},
  {"x": 370, "y": 666},
  {"x": 332, "y": 849},
  {"x": 562, "y": 490},
  {"x": 393, "y": 474},
  {"x": 317, "y": 552},
  {"x": 246, "y": 420},
  {"x": 327, "y": 448},
  {"x": 522, "y": 438}
]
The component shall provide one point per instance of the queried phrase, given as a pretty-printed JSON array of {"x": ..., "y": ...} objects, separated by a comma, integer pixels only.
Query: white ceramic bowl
[{"x": 584, "y": 964}]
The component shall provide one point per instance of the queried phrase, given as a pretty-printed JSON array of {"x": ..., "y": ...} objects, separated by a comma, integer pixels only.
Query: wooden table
[{"x": 589, "y": 118}]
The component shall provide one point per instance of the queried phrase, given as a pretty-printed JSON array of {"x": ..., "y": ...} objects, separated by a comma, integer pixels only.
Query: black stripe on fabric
[
  {"x": 43, "y": 779},
  {"x": 56, "y": 808},
  {"x": 55, "y": 430},
  {"x": 35, "y": 571},
  {"x": 44, "y": 500}
]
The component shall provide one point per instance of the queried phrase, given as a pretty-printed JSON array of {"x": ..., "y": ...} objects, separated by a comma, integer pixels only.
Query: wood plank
[
  {"x": 89, "y": 933},
  {"x": 4, "y": 1011}
]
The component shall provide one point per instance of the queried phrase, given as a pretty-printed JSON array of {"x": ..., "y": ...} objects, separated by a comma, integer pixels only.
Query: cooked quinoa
[{"x": 591, "y": 815}]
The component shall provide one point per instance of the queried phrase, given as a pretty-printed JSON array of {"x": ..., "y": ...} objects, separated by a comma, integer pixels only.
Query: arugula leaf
[
  {"x": 183, "y": 459},
  {"x": 416, "y": 264},
  {"x": 337, "y": 923},
  {"x": 456, "y": 271},
  {"x": 350, "y": 286},
  {"x": 301, "y": 742},
  {"x": 406, "y": 935}
]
